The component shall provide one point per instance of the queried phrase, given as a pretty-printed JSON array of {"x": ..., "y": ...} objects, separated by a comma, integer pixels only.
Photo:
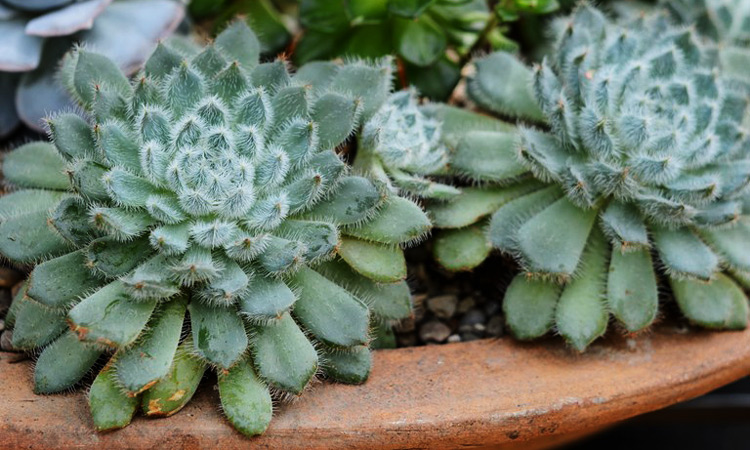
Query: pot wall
[{"x": 479, "y": 393}]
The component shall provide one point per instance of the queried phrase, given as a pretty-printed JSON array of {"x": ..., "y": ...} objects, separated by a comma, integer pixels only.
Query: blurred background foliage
[{"x": 432, "y": 39}]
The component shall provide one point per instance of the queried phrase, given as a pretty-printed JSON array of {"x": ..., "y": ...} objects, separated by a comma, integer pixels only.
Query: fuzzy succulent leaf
[
  {"x": 581, "y": 314},
  {"x": 111, "y": 408},
  {"x": 461, "y": 249},
  {"x": 529, "y": 306},
  {"x": 63, "y": 363},
  {"x": 399, "y": 221},
  {"x": 632, "y": 292},
  {"x": 718, "y": 303},
  {"x": 330, "y": 312},
  {"x": 475, "y": 203},
  {"x": 351, "y": 366},
  {"x": 387, "y": 301},
  {"x": 143, "y": 364},
  {"x": 37, "y": 324},
  {"x": 284, "y": 356},
  {"x": 173, "y": 391},
  {"x": 514, "y": 97},
  {"x": 379, "y": 263},
  {"x": 35, "y": 165},
  {"x": 245, "y": 399}
]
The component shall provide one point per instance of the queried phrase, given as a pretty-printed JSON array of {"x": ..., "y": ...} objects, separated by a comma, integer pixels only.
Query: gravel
[
  {"x": 434, "y": 331},
  {"x": 453, "y": 307},
  {"x": 443, "y": 306}
]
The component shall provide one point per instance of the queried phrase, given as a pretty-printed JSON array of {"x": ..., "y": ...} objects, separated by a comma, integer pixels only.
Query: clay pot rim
[{"x": 479, "y": 393}]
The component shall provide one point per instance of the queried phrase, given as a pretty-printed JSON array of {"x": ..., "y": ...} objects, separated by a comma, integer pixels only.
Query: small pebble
[
  {"x": 407, "y": 340},
  {"x": 5, "y": 341},
  {"x": 495, "y": 326},
  {"x": 471, "y": 319},
  {"x": 491, "y": 308},
  {"x": 434, "y": 331},
  {"x": 9, "y": 277},
  {"x": 443, "y": 306},
  {"x": 466, "y": 337},
  {"x": 465, "y": 305},
  {"x": 454, "y": 338}
]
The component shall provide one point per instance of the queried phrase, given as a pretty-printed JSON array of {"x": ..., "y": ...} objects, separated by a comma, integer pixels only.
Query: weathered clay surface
[{"x": 476, "y": 394}]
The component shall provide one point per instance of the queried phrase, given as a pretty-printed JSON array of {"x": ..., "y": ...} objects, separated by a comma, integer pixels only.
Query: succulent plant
[
  {"x": 265, "y": 18},
  {"x": 640, "y": 154},
  {"x": 401, "y": 145},
  {"x": 208, "y": 185},
  {"x": 36, "y": 34}
]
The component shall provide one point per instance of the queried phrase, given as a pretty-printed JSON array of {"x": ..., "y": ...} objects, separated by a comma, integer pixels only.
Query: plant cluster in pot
[{"x": 198, "y": 216}]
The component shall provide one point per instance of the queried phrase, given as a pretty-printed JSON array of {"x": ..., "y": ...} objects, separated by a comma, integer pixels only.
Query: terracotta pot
[{"x": 477, "y": 394}]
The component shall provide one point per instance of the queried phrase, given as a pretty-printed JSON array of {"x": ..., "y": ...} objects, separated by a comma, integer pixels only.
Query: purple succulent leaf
[
  {"x": 7, "y": 13},
  {"x": 18, "y": 51},
  {"x": 66, "y": 21},
  {"x": 40, "y": 92},
  {"x": 8, "y": 116},
  {"x": 128, "y": 30}
]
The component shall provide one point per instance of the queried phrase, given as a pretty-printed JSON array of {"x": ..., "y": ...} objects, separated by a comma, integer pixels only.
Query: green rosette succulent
[
  {"x": 198, "y": 217},
  {"x": 36, "y": 34},
  {"x": 402, "y": 146},
  {"x": 637, "y": 171}
]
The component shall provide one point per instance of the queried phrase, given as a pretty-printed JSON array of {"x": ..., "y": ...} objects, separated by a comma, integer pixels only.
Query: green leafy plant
[
  {"x": 265, "y": 18},
  {"x": 639, "y": 156},
  {"x": 432, "y": 38},
  {"x": 207, "y": 187},
  {"x": 36, "y": 34}
]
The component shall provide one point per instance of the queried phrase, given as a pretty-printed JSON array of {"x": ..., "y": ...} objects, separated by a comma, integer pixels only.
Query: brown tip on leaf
[
  {"x": 177, "y": 395},
  {"x": 148, "y": 386},
  {"x": 154, "y": 407},
  {"x": 105, "y": 342},
  {"x": 81, "y": 332}
]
